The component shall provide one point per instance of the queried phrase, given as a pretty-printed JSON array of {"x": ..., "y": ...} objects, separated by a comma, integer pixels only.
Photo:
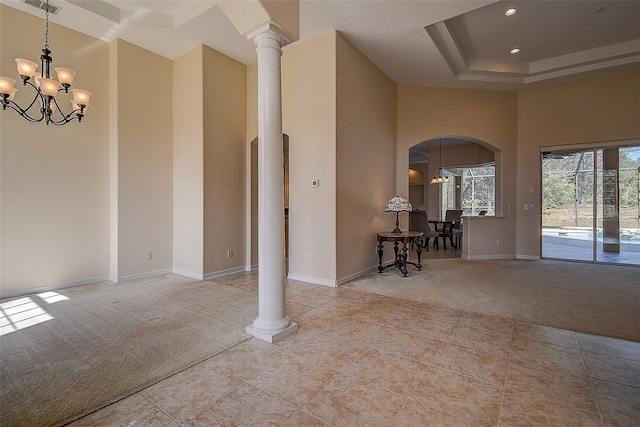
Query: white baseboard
[
  {"x": 529, "y": 257},
  {"x": 53, "y": 287},
  {"x": 222, "y": 273},
  {"x": 360, "y": 273},
  {"x": 142, "y": 275},
  {"x": 478, "y": 257},
  {"x": 188, "y": 274},
  {"x": 314, "y": 280}
]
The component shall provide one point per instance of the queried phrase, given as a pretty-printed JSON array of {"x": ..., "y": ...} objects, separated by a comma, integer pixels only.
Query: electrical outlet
[
  {"x": 497, "y": 242},
  {"x": 149, "y": 255},
  {"x": 310, "y": 258},
  {"x": 229, "y": 253}
]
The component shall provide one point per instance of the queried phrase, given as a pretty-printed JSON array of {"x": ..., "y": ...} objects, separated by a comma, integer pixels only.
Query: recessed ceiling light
[
  {"x": 510, "y": 12},
  {"x": 515, "y": 51}
]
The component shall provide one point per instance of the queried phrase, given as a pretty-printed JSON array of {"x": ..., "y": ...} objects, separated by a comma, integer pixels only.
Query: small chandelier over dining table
[
  {"x": 44, "y": 105},
  {"x": 440, "y": 178}
]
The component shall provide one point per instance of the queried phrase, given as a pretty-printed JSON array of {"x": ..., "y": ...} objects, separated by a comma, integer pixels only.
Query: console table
[{"x": 400, "y": 254}]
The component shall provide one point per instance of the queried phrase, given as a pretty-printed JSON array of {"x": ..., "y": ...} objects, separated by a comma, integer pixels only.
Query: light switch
[{"x": 315, "y": 182}]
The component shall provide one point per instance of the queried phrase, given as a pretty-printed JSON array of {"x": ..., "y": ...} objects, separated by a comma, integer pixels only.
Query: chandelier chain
[{"x": 46, "y": 27}]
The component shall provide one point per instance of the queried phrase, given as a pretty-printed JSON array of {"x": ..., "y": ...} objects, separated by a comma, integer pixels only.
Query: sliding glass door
[{"x": 590, "y": 204}]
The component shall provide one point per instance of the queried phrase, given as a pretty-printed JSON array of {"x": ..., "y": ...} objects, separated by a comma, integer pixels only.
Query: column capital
[{"x": 269, "y": 31}]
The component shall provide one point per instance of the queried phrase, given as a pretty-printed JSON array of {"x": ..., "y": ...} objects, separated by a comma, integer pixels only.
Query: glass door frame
[{"x": 597, "y": 150}]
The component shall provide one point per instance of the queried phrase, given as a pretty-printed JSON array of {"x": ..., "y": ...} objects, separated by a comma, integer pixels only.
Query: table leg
[
  {"x": 419, "y": 252},
  {"x": 402, "y": 260},
  {"x": 380, "y": 248}
]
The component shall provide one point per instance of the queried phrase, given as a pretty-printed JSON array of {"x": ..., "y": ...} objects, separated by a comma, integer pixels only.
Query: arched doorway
[{"x": 473, "y": 169}]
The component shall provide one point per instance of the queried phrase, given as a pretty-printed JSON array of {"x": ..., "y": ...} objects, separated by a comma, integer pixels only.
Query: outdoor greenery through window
[
  {"x": 590, "y": 213},
  {"x": 567, "y": 188},
  {"x": 478, "y": 192}
]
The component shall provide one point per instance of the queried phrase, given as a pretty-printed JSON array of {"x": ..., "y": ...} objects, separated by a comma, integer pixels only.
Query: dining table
[{"x": 444, "y": 227}]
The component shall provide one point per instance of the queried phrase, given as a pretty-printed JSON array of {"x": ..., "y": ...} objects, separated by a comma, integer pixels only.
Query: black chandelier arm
[
  {"x": 35, "y": 98},
  {"x": 65, "y": 120},
  {"x": 15, "y": 107}
]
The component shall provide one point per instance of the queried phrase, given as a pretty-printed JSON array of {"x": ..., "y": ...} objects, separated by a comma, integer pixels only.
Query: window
[{"x": 479, "y": 189}]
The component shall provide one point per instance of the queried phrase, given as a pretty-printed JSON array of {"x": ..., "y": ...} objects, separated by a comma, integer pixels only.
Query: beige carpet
[
  {"x": 597, "y": 299},
  {"x": 108, "y": 341}
]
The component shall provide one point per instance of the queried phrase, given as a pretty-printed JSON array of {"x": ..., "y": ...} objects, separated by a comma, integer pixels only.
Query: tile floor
[{"x": 361, "y": 359}]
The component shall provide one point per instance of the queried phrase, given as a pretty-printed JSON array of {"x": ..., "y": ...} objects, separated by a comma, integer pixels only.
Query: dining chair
[
  {"x": 453, "y": 229},
  {"x": 419, "y": 221}
]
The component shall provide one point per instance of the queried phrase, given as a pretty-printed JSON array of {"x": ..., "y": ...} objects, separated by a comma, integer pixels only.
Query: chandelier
[
  {"x": 440, "y": 178},
  {"x": 44, "y": 105}
]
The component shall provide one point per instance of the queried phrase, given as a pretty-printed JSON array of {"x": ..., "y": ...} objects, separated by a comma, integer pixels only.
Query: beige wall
[
  {"x": 174, "y": 180},
  {"x": 487, "y": 117},
  {"x": 602, "y": 108},
  {"x": 87, "y": 201},
  {"x": 188, "y": 164},
  {"x": 251, "y": 164},
  {"x": 54, "y": 191},
  {"x": 225, "y": 122},
  {"x": 209, "y": 163},
  {"x": 142, "y": 172},
  {"x": 365, "y": 158},
  {"x": 309, "y": 118}
]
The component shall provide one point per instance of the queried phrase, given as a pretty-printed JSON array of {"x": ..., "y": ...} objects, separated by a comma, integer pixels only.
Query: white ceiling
[{"x": 452, "y": 43}]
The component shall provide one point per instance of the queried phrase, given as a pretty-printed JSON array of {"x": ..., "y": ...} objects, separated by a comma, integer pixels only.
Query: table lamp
[{"x": 397, "y": 205}]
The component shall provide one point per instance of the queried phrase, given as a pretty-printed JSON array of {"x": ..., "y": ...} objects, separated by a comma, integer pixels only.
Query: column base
[{"x": 271, "y": 336}]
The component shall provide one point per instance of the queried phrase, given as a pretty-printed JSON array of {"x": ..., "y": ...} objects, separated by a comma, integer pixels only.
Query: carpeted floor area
[
  {"x": 68, "y": 353},
  {"x": 593, "y": 298}
]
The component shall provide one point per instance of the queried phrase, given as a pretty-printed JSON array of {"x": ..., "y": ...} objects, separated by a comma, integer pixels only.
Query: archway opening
[{"x": 471, "y": 169}]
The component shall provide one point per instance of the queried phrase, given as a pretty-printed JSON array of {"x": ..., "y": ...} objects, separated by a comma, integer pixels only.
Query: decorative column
[{"x": 271, "y": 323}]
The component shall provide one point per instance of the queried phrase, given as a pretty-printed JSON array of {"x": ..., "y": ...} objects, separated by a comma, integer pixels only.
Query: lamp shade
[
  {"x": 81, "y": 96},
  {"x": 13, "y": 94},
  {"x": 49, "y": 86},
  {"x": 398, "y": 204},
  {"x": 26, "y": 68},
  {"x": 65, "y": 75},
  {"x": 6, "y": 85}
]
